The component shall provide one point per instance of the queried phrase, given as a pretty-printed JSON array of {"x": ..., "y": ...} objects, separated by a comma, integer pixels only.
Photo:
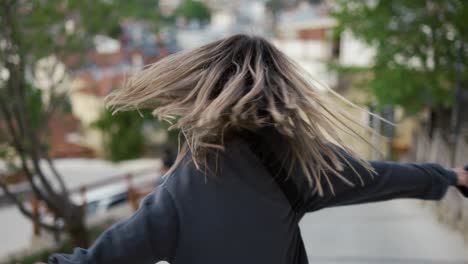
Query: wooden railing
[{"x": 135, "y": 193}]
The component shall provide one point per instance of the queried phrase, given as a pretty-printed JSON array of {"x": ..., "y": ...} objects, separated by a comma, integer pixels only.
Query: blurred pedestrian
[
  {"x": 167, "y": 159},
  {"x": 262, "y": 148}
]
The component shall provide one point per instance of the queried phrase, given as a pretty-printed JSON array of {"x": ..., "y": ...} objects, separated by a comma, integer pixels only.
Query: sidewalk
[{"x": 401, "y": 231}]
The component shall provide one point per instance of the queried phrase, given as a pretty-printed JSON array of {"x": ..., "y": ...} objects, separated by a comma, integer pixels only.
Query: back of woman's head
[{"x": 238, "y": 83}]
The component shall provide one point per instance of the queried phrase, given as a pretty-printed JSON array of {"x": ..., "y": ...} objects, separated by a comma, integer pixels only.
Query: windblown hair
[{"x": 240, "y": 82}]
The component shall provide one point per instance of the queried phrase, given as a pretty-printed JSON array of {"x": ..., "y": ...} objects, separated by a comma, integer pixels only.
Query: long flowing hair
[{"x": 241, "y": 82}]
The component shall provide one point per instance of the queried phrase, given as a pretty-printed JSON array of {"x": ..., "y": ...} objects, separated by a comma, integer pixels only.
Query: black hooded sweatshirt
[{"x": 250, "y": 212}]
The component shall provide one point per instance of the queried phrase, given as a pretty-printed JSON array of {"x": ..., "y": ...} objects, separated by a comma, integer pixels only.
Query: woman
[{"x": 258, "y": 155}]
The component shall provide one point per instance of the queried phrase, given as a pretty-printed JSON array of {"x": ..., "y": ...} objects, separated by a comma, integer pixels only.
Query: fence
[
  {"x": 453, "y": 208},
  {"x": 135, "y": 192}
]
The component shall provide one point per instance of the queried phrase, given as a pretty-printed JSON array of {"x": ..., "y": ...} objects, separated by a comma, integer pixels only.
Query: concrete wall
[
  {"x": 312, "y": 55},
  {"x": 88, "y": 108},
  {"x": 354, "y": 52},
  {"x": 453, "y": 208}
]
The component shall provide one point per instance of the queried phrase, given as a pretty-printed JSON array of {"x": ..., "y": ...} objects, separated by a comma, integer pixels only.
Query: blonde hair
[{"x": 240, "y": 82}]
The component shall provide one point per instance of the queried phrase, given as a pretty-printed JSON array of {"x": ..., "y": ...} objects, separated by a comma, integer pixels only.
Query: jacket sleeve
[
  {"x": 148, "y": 236},
  {"x": 428, "y": 181}
]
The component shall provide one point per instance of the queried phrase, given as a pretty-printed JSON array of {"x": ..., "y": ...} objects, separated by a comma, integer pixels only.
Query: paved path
[
  {"x": 15, "y": 231},
  {"x": 399, "y": 232}
]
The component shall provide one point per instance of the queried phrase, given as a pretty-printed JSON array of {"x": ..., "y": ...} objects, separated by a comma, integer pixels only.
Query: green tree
[
  {"x": 123, "y": 135},
  {"x": 31, "y": 32},
  {"x": 193, "y": 10},
  {"x": 420, "y": 48}
]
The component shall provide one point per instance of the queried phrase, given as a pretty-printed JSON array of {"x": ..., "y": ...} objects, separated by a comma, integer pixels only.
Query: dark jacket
[{"x": 246, "y": 215}]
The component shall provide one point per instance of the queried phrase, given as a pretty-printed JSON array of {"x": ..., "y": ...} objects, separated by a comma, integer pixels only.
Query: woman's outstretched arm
[
  {"x": 148, "y": 236},
  {"x": 428, "y": 181}
]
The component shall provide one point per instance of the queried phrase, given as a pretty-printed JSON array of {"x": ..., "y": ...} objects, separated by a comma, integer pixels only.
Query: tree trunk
[
  {"x": 76, "y": 228},
  {"x": 439, "y": 120}
]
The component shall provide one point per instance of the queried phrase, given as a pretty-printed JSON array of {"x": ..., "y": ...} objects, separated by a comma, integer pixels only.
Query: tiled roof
[{"x": 106, "y": 72}]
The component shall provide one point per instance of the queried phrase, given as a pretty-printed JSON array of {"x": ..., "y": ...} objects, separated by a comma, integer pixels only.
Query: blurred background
[{"x": 69, "y": 168}]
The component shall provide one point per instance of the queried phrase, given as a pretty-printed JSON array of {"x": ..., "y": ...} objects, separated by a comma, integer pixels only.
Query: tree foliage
[
  {"x": 193, "y": 10},
  {"x": 421, "y": 48},
  {"x": 33, "y": 31},
  {"x": 123, "y": 135}
]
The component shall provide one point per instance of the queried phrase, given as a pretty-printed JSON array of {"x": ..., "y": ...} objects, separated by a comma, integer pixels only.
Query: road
[{"x": 400, "y": 231}]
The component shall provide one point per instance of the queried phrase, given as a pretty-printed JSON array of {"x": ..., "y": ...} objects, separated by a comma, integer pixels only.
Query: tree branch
[
  {"x": 19, "y": 149},
  {"x": 57, "y": 175},
  {"x": 23, "y": 209},
  {"x": 16, "y": 86}
]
